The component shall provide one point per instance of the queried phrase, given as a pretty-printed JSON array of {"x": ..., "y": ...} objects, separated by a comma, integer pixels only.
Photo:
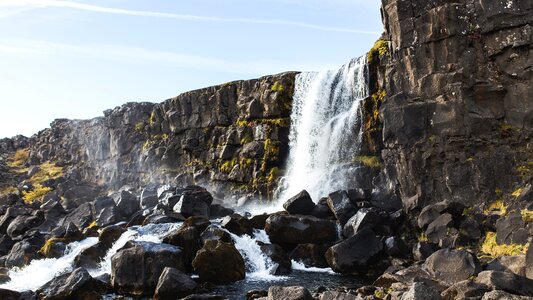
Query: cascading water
[{"x": 326, "y": 130}]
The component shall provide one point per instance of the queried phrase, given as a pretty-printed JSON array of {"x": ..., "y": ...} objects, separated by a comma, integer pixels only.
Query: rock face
[
  {"x": 230, "y": 136},
  {"x": 453, "y": 88},
  {"x": 136, "y": 269}
]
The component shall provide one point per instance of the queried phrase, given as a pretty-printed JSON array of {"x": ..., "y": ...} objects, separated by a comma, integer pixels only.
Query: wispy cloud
[
  {"x": 182, "y": 17},
  {"x": 134, "y": 55}
]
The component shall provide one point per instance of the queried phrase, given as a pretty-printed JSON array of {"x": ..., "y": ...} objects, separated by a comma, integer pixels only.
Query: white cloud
[
  {"x": 133, "y": 55},
  {"x": 183, "y": 17}
]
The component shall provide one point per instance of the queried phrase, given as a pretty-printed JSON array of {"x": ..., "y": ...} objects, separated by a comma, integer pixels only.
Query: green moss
[
  {"x": 380, "y": 49},
  {"x": 369, "y": 161},
  {"x": 277, "y": 87}
]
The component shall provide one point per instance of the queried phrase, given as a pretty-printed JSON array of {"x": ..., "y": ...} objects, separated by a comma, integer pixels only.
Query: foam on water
[
  {"x": 40, "y": 271},
  {"x": 296, "y": 265}
]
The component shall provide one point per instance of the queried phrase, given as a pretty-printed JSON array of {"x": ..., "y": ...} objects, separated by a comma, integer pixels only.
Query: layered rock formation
[{"x": 452, "y": 85}]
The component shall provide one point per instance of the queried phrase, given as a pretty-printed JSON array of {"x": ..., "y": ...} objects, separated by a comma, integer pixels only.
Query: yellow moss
[
  {"x": 47, "y": 171},
  {"x": 380, "y": 294},
  {"x": 499, "y": 192},
  {"x": 498, "y": 207},
  {"x": 271, "y": 149},
  {"x": 246, "y": 139},
  {"x": 517, "y": 192},
  {"x": 139, "y": 126},
  {"x": 527, "y": 215},
  {"x": 279, "y": 122},
  {"x": 381, "y": 48},
  {"x": 92, "y": 225},
  {"x": 45, "y": 249},
  {"x": 35, "y": 194},
  {"x": 246, "y": 162},
  {"x": 492, "y": 248},
  {"x": 274, "y": 173},
  {"x": 277, "y": 87},
  {"x": 151, "y": 120},
  {"x": 379, "y": 95},
  {"x": 228, "y": 165},
  {"x": 423, "y": 237},
  {"x": 8, "y": 190},
  {"x": 19, "y": 158},
  {"x": 470, "y": 158},
  {"x": 369, "y": 161}
]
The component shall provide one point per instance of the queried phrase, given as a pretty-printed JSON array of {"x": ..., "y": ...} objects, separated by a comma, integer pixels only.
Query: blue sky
[{"x": 74, "y": 59}]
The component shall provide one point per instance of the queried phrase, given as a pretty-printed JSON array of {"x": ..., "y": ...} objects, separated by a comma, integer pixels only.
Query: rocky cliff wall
[
  {"x": 452, "y": 85},
  {"x": 232, "y": 137}
]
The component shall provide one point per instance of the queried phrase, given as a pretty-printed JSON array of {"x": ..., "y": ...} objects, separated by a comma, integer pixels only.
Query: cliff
[{"x": 452, "y": 85}]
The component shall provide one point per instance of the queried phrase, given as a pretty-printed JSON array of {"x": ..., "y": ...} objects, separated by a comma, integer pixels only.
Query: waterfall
[{"x": 326, "y": 130}]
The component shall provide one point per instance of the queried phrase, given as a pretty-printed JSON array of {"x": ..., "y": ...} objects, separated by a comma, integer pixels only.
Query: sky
[{"x": 74, "y": 59}]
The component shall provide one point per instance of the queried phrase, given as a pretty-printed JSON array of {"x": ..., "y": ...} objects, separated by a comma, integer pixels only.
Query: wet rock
[
  {"x": 201, "y": 223},
  {"x": 237, "y": 224},
  {"x": 6, "y": 243},
  {"x": 194, "y": 201},
  {"x": 321, "y": 209},
  {"x": 81, "y": 216},
  {"x": 341, "y": 206},
  {"x": 110, "y": 235},
  {"x": 452, "y": 266},
  {"x": 256, "y": 294},
  {"x": 53, "y": 248},
  {"x": 127, "y": 205},
  {"x": 311, "y": 255},
  {"x": 507, "y": 282},
  {"x": 219, "y": 262},
  {"x": 73, "y": 285},
  {"x": 22, "y": 253},
  {"x": 291, "y": 229},
  {"x": 72, "y": 233},
  {"x": 149, "y": 197},
  {"x": 258, "y": 221},
  {"x": 91, "y": 257},
  {"x": 299, "y": 204},
  {"x": 219, "y": 211},
  {"x": 464, "y": 289},
  {"x": 288, "y": 293},
  {"x": 107, "y": 216},
  {"x": 355, "y": 253},
  {"x": 173, "y": 284},
  {"x": 213, "y": 232},
  {"x": 136, "y": 269},
  {"x": 420, "y": 291},
  {"x": 279, "y": 257},
  {"x": 157, "y": 218},
  {"x": 188, "y": 238},
  {"x": 364, "y": 218}
]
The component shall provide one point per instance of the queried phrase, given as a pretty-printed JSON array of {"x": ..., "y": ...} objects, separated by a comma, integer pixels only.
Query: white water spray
[{"x": 326, "y": 130}]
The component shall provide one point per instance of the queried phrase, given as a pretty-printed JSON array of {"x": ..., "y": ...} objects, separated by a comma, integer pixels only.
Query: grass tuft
[{"x": 37, "y": 193}]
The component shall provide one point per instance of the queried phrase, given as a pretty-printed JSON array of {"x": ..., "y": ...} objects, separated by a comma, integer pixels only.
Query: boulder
[
  {"x": 9, "y": 295},
  {"x": 529, "y": 263},
  {"x": 22, "y": 253},
  {"x": 194, "y": 201},
  {"x": 188, "y": 238},
  {"x": 91, "y": 257},
  {"x": 355, "y": 253},
  {"x": 136, "y": 268},
  {"x": 364, "y": 218},
  {"x": 512, "y": 264},
  {"x": 219, "y": 211},
  {"x": 433, "y": 211},
  {"x": 77, "y": 195},
  {"x": 464, "y": 289},
  {"x": 278, "y": 257},
  {"x": 452, "y": 266},
  {"x": 288, "y": 293},
  {"x": 110, "y": 234},
  {"x": 423, "y": 250},
  {"x": 77, "y": 284},
  {"x": 81, "y": 216},
  {"x": 511, "y": 229},
  {"x": 311, "y": 255},
  {"x": 219, "y": 262},
  {"x": 396, "y": 247},
  {"x": 200, "y": 222},
  {"x": 440, "y": 228},
  {"x": 259, "y": 221},
  {"x": 23, "y": 223},
  {"x": 6, "y": 243},
  {"x": 299, "y": 204},
  {"x": 501, "y": 295},
  {"x": 321, "y": 209},
  {"x": 420, "y": 291},
  {"x": 127, "y": 205},
  {"x": 333, "y": 295},
  {"x": 149, "y": 196},
  {"x": 237, "y": 224},
  {"x": 213, "y": 232},
  {"x": 505, "y": 281},
  {"x": 173, "y": 284},
  {"x": 297, "y": 229},
  {"x": 341, "y": 206}
]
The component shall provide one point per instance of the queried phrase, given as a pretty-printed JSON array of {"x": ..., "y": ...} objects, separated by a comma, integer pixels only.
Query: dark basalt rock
[
  {"x": 258, "y": 221},
  {"x": 511, "y": 229},
  {"x": 91, "y": 257},
  {"x": 311, "y": 255},
  {"x": 173, "y": 284},
  {"x": 419, "y": 291},
  {"x": 9, "y": 295},
  {"x": 279, "y": 257},
  {"x": 149, "y": 197},
  {"x": 505, "y": 281},
  {"x": 289, "y": 292},
  {"x": 136, "y": 269},
  {"x": 529, "y": 263},
  {"x": 465, "y": 289},
  {"x": 341, "y": 206},
  {"x": 329, "y": 295},
  {"x": 440, "y": 228},
  {"x": 219, "y": 262},
  {"x": 364, "y": 218},
  {"x": 300, "y": 204},
  {"x": 81, "y": 216},
  {"x": 127, "y": 205},
  {"x": 194, "y": 201},
  {"x": 6, "y": 243},
  {"x": 237, "y": 224},
  {"x": 110, "y": 235},
  {"x": 423, "y": 250},
  {"x": 356, "y": 253},
  {"x": 22, "y": 253},
  {"x": 74, "y": 285},
  {"x": 396, "y": 247},
  {"x": 291, "y": 229},
  {"x": 219, "y": 211},
  {"x": 452, "y": 266},
  {"x": 213, "y": 232},
  {"x": 321, "y": 209},
  {"x": 188, "y": 238}
]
